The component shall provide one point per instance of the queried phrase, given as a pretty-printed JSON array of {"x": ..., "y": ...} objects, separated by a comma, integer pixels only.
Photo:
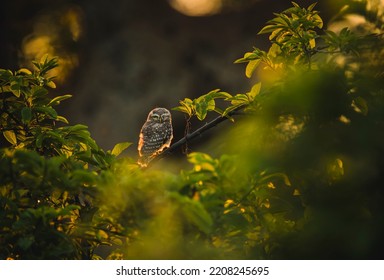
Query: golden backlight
[{"x": 197, "y": 7}]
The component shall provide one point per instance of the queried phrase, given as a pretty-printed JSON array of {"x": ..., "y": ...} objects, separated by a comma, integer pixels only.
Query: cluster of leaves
[
  {"x": 300, "y": 149},
  {"x": 48, "y": 172},
  {"x": 298, "y": 176},
  {"x": 293, "y": 37},
  {"x": 200, "y": 106},
  {"x": 296, "y": 36}
]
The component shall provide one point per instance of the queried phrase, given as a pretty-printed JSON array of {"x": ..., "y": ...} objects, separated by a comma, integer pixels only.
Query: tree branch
[{"x": 190, "y": 136}]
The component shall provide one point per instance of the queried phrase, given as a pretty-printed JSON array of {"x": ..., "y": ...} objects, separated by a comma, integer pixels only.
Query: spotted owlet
[{"x": 155, "y": 135}]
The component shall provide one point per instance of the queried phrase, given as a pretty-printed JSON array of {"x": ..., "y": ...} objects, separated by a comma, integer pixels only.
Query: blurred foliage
[
  {"x": 297, "y": 176},
  {"x": 56, "y": 33}
]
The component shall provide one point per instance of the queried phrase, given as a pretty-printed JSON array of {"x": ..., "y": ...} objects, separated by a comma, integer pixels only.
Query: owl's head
[{"x": 159, "y": 115}]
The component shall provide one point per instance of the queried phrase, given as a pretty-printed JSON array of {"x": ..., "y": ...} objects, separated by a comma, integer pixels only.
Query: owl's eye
[{"x": 155, "y": 117}]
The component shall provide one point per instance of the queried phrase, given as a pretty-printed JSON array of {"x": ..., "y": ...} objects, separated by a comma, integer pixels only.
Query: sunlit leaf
[
  {"x": 15, "y": 89},
  {"x": 197, "y": 158},
  {"x": 312, "y": 43},
  {"x": 44, "y": 59},
  {"x": 62, "y": 119},
  {"x": 77, "y": 127},
  {"x": 24, "y": 71},
  {"x": 186, "y": 106},
  {"x": 336, "y": 169},
  {"x": 119, "y": 148},
  {"x": 254, "y": 91},
  {"x": 202, "y": 106},
  {"x": 101, "y": 234},
  {"x": 10, "y": 136},
  {"x": 248, "y": 56},
  {"x": 218, "y": 94},
  {"x": 360, "y": 105},
  {"x": 319, "y": 22},
  {"x": 267, "y": 29},
  {"x": 58, "y": 99},
  {"x": 251, "y": 67},
  {"x": 51, "y": 84}
]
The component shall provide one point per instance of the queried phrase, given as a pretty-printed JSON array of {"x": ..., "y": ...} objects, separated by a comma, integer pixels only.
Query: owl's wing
[
  {"x": 153, "y": 140},
  {"x": 150, "y": 140}
]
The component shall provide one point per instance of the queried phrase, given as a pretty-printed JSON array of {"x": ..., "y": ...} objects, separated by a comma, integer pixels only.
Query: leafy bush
[
  {"x": 49, "y": 174},
  {"x": 297, "y": 176}
]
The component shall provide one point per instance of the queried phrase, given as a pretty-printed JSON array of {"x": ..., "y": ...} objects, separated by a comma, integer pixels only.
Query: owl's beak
[{"x": 161, "y": 119}]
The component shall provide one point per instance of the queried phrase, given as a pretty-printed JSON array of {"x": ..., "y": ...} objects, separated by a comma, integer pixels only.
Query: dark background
[{"x": 120, "y": 59}]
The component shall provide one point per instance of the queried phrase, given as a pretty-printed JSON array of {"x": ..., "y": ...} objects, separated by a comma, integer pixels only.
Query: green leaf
[
  {"x": 239, "y": 99},
  {"x": 119, "y": 148},
  {"x": 10, "y": 136},
  {"x": 183, "y": 109},
  {"x": 39, "y": 140},
  {"x": 295, "y": 4},
  {"x": 318, "y": 21},
  {"x": 39, "y": 92},
  {"x": 201, "y": 110},
  {"x": 186, "y": 107},
  {"x": 218, "y": 94},
  {"x": 268, "y": 29},
  {"x": 45, "y": 64},
  {"x": 251, "y": 67},
  {"x": 254, "y": 91},
  {"x": 202, "y": 161},
  {"x": 44, "y": 59},
  {"x": 6, "y": 74},
  {"x": 24, "y": 71},
  {"x": 248, "y": 56},
  {"x": 275, "y": 35},
  {"x": 15, "y": 89},
  {"x": 196, "y": 158},
  {"x": 62, "y": 119},
  {"x": 203, "y": 104},
  {"x": 26, "y": 115},
  {"x": 310, "y": 8},
  {"x": 51, "y": 84},
  {"x": 49, "y": 111},
  {"x": 77, "y": 127},
  {"x": 58, "y": 99},
  {"x": 54, "y": 136},
  {"x": 281, "y": 20},
  {"x": 211, "y": 105},
  {"x": 312, "y": 43}
]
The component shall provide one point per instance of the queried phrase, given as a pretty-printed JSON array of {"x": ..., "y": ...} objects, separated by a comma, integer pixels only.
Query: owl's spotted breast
[{"x": 155, "y": 135}]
